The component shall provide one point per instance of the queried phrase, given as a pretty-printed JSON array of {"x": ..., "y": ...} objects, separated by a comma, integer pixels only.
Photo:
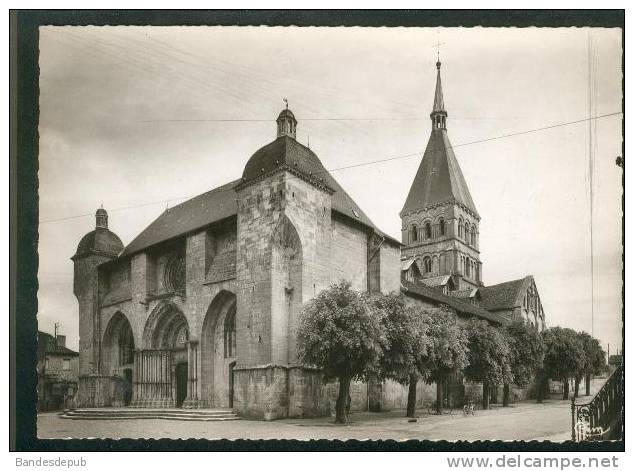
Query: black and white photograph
[{"x": 340, "y": 233}]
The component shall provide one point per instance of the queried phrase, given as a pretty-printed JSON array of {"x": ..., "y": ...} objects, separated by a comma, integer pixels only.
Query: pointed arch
[
  {"x": 215, "y": 357},
  {"x": 166, "y": 328},
  {"x": 117, "y": 350},
  {"x": 286, "y": 289}
]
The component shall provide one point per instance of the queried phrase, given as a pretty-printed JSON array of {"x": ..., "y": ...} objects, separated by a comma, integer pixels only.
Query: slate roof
[
  {"x": 436, "y": 281},
  {"x": 505, "y": 295},
  {"x": 198, "y": 212},
  {"x": 220, "y": 203},
  {"x": 439, "y": 178},
  {"x": 405, "y": 264},
  {"x": 100, "y": 240},
  {"x": 434, "y": 295}
]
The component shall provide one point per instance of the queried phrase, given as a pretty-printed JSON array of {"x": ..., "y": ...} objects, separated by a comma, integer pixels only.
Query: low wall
[{"x": 100, "y": 391}]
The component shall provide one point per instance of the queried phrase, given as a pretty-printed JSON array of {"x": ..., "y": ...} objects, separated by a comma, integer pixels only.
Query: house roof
[
  {"x": 434, "y": 295},
  {"x": 505, "y": 295},
  {"x": 220, "y": 203},
  {"x": 48, "y": 345}
]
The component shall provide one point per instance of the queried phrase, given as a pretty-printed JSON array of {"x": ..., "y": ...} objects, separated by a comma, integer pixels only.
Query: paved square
[{"x": 523, "y": 421}]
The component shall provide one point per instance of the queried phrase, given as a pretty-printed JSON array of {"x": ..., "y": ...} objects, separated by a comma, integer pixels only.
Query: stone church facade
[{"x": 200, "y": 310}]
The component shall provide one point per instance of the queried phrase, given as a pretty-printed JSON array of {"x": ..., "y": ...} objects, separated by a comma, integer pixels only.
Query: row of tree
[{"x": 354, "y": 336}]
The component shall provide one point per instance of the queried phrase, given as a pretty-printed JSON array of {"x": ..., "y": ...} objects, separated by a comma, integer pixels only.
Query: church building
[{"x": 200, "y": 310}]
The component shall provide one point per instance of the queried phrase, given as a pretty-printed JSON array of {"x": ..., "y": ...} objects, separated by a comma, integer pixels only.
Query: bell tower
[{"x": 439, "y": 221}]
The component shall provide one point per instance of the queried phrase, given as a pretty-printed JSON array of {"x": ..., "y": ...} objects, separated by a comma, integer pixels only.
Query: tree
[
  {"x": 407, "y": 345},
  {"x": 489, "y": 357},
  {"x": 564, "y": 355},
  {"x": 594, "y": 360},
  {"x": 527, "y": 355},
  {"x": 342, "y": 334},
  {"x": 448, "y": 349}
]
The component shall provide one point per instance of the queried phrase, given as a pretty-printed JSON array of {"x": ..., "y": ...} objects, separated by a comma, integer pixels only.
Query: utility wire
[{"x": 361, "y": 164}]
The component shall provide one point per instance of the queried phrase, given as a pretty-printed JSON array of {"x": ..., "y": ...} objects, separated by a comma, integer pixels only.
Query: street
[{"x": 522, "y": 421}]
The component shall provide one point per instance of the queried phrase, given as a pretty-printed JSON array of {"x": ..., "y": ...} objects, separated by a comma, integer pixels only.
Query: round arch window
[{"x": 175, "y": 275}]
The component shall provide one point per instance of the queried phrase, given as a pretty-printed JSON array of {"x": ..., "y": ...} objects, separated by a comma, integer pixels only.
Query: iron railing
[{"x": 600, "y": 419}]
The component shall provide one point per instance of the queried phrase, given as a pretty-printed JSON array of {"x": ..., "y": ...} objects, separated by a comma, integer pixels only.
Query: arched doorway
[
  {"x": 117, "y": 355},
  {"x": 164, "y": 376},
  {"x": 218, "y": 351}
]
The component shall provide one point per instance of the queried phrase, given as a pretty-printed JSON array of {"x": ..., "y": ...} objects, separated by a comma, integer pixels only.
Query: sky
[{"x": 141, "y": 118}]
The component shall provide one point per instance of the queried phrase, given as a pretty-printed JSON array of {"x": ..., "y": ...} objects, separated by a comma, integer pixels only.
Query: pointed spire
[{"x": 439, "y": 104}]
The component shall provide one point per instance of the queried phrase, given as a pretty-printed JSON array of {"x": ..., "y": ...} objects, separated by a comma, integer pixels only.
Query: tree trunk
[
  {"x": 341, "y": 416},
  {"x": 587, "y": 385},
  {"x": 485, "y": 394},
  {"x": 411, "y": 396},
  {"x": 348, "y": 403},
  {"x": 439, "y": 385},
  {"x": 577, "y": 381},
  {"x": 566, "y": 388},
  {"x": 507, "y": 395},
  {"x": 540, "y": 380}
]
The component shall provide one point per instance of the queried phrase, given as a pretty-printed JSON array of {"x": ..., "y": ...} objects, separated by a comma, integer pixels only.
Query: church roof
[
  {"x": 439, "y": 178},
  {"x": 99, "y": 241},
  {"x": 436, "y": 281},
  {"x": 463, "y": 307},
  {"x": 220, "y": 203},
  {"x": 505, "y": 295},
  {"x": 198, "y": 212}
]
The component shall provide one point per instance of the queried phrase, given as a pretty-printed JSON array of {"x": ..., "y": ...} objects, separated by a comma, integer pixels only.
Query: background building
[{"x": 57, "y": 372}]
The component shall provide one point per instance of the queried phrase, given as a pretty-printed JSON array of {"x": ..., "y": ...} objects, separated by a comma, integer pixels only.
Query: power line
[{"x": 372, "y": 162}]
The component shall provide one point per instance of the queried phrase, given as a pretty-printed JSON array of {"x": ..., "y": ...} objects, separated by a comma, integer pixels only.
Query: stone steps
[{"x": 126, "y": 413}]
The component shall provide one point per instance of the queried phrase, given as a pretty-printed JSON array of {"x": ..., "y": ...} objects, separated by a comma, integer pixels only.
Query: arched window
[
  {"x": 441, "y": 227},
  {"x": 413, "y": 233},
  {"x": 230, "y": 333},
  {"x": 473, "y": 235},
  {"x": 460, "y": 228},
  {"x": 468, "y": 268},
  {"x": 467, "y": 236},
  {"x": 427, "y": 264},
  {"x": 427, "y": 230}
]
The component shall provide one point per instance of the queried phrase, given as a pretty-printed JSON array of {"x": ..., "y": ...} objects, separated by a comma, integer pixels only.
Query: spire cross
[{"x": 437, "y": 46}]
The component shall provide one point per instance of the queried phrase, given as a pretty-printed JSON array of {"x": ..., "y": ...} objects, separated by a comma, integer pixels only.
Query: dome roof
[
  {"x": 286, "y": 113},
  {"x": 100, "y": 241},
  {"x": 284, "y": 151}
]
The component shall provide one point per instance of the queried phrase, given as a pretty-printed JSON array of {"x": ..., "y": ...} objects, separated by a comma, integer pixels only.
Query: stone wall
[{"x": 349, "y": 255}]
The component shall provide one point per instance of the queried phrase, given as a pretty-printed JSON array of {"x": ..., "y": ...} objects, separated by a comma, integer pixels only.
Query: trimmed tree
[
  {"x": 449, "y": 349},
  {"x": 342, "y": 334},
  {"x": 594, "y": 360},
  {"x": 527, "y": 355},
  {"x": 564, "y": 356},
  {"x": 407, "y": 345},
  {"x": 489, "y": 357}
]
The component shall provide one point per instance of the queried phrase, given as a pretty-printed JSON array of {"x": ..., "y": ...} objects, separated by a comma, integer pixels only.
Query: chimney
[{"x": 61, "y": 340}]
